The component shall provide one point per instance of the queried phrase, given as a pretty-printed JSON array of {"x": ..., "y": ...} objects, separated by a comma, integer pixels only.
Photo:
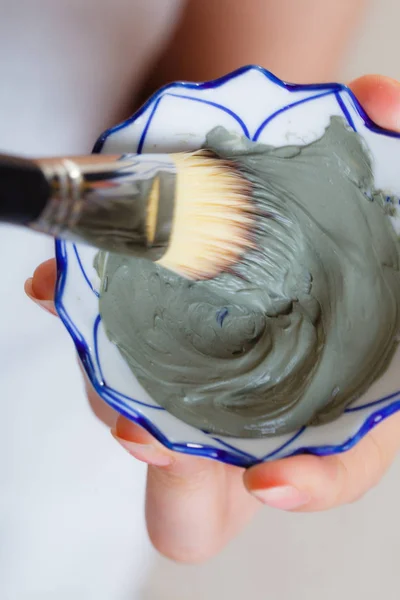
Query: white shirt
[{"x": 71, "y": 504}]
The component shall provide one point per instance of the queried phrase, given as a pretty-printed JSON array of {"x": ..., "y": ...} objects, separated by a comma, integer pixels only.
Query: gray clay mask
[{"x": 306, "y": 323}]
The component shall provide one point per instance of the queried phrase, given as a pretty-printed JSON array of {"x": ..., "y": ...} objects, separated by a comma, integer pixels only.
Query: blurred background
[{"x": 71, "y": 502}]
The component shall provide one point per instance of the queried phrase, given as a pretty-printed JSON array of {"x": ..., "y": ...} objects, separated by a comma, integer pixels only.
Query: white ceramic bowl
[{"x": 253, "y": 102}]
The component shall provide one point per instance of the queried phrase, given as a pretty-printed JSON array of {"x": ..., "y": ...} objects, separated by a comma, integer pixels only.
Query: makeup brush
[{"x": 191, "y": 212}]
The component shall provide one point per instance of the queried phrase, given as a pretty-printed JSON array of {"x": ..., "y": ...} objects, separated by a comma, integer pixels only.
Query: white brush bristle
[{"x": 213, "y": 217}]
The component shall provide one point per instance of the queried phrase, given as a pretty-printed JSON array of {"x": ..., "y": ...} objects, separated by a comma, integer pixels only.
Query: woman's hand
[{"x": 194, "y": 506}]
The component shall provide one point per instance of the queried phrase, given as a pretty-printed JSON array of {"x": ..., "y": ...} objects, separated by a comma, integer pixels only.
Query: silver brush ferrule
[
  {"x": 67, "y": 196},
  {"x": 122, "y": 203}
]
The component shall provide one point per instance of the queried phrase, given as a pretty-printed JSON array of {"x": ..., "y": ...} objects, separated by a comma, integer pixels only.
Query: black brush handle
[
  {"x": 24, "y": 190},
  {"x": 100, "y": 200}
]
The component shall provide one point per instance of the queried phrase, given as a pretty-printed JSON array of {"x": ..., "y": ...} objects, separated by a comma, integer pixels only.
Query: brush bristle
[{"x": 213, "y": 217}]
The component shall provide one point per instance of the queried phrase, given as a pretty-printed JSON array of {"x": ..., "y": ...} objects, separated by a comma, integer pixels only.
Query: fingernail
[
  {"x": 144, "y": 452},
  {"x": 285, "y": 497},
  {"x": 46, "y": 305}
]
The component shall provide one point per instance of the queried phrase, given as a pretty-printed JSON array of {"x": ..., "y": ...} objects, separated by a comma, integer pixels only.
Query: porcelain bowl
[{"x": 255, "y": 103}]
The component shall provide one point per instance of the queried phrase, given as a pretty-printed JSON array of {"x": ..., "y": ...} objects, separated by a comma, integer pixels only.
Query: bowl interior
[{"x": 253, "y": 102}]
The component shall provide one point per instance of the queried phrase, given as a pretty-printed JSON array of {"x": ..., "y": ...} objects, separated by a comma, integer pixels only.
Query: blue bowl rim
[{"x": 235, "y": 457}]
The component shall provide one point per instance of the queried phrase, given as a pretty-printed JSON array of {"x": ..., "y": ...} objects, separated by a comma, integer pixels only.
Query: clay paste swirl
[{"x": 307, "y": 323}]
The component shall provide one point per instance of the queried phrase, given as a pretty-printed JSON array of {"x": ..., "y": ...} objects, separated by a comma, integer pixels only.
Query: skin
[
  {"x": 195, "y": 506},
  {"x": 282, "y": 36}
]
